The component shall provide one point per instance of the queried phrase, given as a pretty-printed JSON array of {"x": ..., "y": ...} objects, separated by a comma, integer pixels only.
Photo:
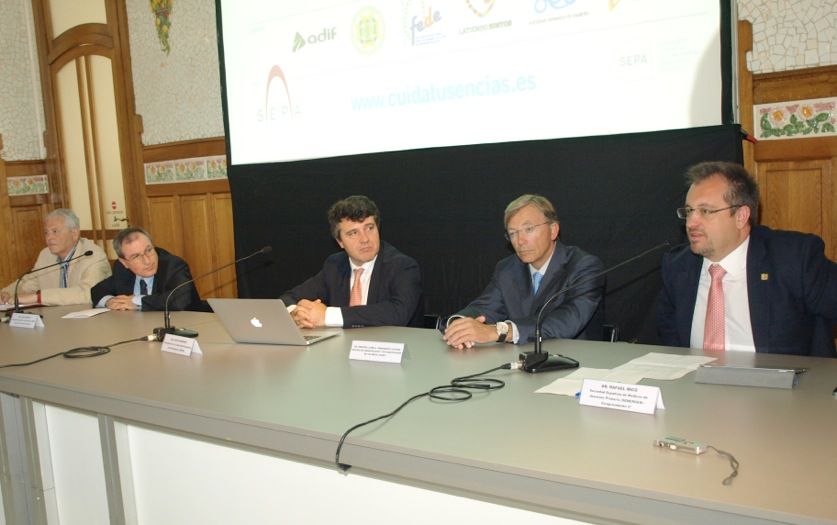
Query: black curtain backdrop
[{"x": 616, "y": 196}]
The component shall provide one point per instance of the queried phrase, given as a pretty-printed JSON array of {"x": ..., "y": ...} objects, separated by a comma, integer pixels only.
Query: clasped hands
[
  {"x": 121, "y": 302},
  {"x": 309, "y": 314},
  {"x": 465, "y": 332}
]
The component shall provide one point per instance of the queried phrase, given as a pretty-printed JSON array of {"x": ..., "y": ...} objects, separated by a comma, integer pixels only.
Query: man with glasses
[
  {"x": 740, "y": 286},
  {"x": 369, "y": 283},
  {"x": 67, "y": 283},
  {"x": 522, "y": 283},
  {"x": 144, "y": 276}
]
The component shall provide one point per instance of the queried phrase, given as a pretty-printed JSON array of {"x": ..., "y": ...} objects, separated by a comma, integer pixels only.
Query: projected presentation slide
[{"x": 325, "y": 78}]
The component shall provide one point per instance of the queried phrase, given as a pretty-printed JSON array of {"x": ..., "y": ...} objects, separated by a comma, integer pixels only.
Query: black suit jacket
[
  {"x": 792, "y": 290},
  {"x": 171, "y": 271},
  {"x": 394, "y": 297},
  {"x": 574, "y": 314}
]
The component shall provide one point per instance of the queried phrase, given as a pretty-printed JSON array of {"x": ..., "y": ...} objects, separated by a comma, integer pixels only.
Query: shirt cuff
[
  {"x": 137, "y": 300},
  {"x": 334, "y": 316},
  {"x": 104, "y": 301},
  {"x": 515, "y": 333}
]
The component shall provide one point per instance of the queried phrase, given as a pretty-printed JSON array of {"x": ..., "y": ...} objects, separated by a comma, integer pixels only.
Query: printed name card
[
  {"x": 20, "y": 320},
  {"x": 377, "y": 351},
  {"x": 180, "y": 345},
  {"x": 621, "y": 396}
]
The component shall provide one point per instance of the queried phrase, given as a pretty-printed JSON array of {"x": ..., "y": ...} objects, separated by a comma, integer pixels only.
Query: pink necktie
[
  {"x": 713, "y": 331},
  {"x": 356, "y": 298}
]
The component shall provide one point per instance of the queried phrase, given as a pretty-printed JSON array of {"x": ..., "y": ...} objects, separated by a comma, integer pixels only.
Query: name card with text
[
  {"x": 180, "y": 345},
  {"x": 20, "y": 320},
  {"x": 378, "y": 351},
  {"x": 621, "y": 396}
]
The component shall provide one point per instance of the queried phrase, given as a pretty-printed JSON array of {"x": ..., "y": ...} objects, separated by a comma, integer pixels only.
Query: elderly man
[
  {"x": 522, "y": 283},
  {"x": 739, "y": 286},
  {"x": 67, "y": 283},
  {"x": 144, "y": 276},
  {"x": 369, "y": 283}
]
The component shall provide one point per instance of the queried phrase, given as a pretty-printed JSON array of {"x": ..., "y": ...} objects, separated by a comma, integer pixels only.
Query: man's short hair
[
  {"x": 128, "y": 235},
  {"x": 538, "y": 201},
  {"x": 743, "y": 188},
  {"x": 355, "y": 208},
  {"x": 69, "y": 216}
]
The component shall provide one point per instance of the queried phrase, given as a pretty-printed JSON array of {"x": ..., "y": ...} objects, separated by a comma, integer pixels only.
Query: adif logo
[
  {"x": 323, "y": 36},
  {"x": 255, "y": 322},
  {"x": 282, "y": 108}
]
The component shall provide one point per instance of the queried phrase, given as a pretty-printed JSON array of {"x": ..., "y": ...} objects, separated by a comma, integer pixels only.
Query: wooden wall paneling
[
  {"x": 9, "y": 255},
  {"x": 792, "y": 193},
  {"x": 224, "y": 245},
  {"x": 164, "y": 223},
  {"x": 199, "y": 248},
  {"x": 745, "y": 90},
  {"x": 28, "y": 229}
]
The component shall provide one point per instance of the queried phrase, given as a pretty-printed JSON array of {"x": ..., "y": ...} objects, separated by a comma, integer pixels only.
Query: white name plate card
[
  {"x": 621, "y": 396},
  {"x": 377, "y": 351},
  {"x": 20, "y": 320},
  {"x": 180, "y": 345}
]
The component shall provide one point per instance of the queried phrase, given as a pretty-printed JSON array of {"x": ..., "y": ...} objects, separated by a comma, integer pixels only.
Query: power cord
[
  {"x": 459, "y": 389},
  {"x": 81, "y": 352}
]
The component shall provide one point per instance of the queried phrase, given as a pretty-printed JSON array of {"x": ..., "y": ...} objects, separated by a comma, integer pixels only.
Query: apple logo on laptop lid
[{"x": 255, "y": 322}]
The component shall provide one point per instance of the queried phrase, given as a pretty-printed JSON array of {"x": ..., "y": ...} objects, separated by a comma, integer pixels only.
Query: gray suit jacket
[{"x": 509, "y": 297}]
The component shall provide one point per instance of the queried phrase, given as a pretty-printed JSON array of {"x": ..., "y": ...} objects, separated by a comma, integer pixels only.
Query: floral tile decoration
[
  {"x": 796, "y": 119},
  {"x": 28, "y": 185},
  {"x": 186, "y": 170}
]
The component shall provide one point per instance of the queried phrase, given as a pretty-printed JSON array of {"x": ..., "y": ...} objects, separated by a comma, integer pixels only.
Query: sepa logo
[
  {"x": 480, "y": 7},
  {"x": 323, "y": 36},
  {"x": 279, "y": 106},
  {"x": 255, "y": 322},
  {"x": 368, "y": 30}
]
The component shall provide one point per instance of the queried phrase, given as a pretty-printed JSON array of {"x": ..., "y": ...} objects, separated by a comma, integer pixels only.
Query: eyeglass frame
[
  {"x": 684, "y": 212},
  {"x": 147, "y": 253},
  {"x": 527, "y": 230}
]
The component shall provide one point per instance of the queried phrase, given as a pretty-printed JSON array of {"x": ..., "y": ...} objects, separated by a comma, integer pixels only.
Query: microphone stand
[
  {"x": 17, "y": 309},
  {"x": 167, "y": 327},
  {"x": 540, "y": 361}
]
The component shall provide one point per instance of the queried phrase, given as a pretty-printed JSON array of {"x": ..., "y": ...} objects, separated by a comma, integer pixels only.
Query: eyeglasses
[
  {"x": 511, "y": 235},
  {"x": 704, "y": 213},
  {"x": 147, "y": 253}
]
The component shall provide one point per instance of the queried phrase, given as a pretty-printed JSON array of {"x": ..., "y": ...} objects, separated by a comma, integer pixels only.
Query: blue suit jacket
[
  {"x": 394, "y": 297},
  {"x": 509, "y": 296},
  {"x": 171, "y": 271},
  {"x": 792, "y": 292}
]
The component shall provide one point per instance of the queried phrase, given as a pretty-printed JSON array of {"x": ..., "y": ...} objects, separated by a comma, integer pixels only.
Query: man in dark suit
[
  {"x": 369, "y": 283},
  {"x": 144, "y": 276},
  {"x": 774, "y": 291},
  {"x": 522, "y": 283}
]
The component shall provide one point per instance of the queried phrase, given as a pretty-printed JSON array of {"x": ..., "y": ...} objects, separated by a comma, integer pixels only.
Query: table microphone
[
  {"x": 540, "y": 361},
  {"x": 17, "y": 308},
  {"x": 167, "y": 328}
]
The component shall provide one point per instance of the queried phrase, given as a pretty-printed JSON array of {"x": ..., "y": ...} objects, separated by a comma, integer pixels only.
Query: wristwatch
[{"x": 502, "y": 331}]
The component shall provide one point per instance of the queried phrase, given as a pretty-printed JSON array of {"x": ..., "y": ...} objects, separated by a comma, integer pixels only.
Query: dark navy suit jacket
[
  {"x": 171, "y": 271},
  {"x": 792, "y": 290},
  {"x": 509, "y": 296},
  {"x": 394, "y": 298}
]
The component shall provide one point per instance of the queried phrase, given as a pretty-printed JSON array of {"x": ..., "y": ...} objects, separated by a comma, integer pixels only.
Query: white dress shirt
[
  {"x": 738, "y": 330},
  {"x": 334, "y": 315}
]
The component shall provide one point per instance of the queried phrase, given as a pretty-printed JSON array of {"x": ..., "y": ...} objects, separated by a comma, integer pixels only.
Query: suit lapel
[
  {"x": 758, "y": 291},
  {"x": 555, "y": 278},
  {"x": 689, "y": 278},
  {"x": 162, "y": 274},
  {"x": 344, "y": 282}
]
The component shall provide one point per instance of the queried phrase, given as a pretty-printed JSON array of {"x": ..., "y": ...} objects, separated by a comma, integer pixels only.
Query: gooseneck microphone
[
  {"x": 17, "y": 308},
  {"x": 167, "y": 328},
  {"x": 540, "y": 361}
]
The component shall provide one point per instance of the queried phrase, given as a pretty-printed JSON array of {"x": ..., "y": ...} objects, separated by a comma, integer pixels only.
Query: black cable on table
[{"x": 459, "y": 389}]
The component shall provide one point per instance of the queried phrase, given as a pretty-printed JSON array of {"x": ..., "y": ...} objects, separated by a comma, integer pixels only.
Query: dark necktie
[{"x": 143, "y": 287}]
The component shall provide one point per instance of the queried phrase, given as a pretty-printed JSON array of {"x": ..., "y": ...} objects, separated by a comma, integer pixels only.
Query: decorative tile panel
[
  {"x": 186, "y": 170},
  {"x": 796, "y": 119},
  {"x": 28, "y": 185}
]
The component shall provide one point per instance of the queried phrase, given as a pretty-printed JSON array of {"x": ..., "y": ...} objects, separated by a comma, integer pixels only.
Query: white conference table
[{"x": 247, "y": 434}]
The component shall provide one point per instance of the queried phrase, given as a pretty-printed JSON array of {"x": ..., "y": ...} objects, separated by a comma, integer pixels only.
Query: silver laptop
[{"x": 265, "y": 321}]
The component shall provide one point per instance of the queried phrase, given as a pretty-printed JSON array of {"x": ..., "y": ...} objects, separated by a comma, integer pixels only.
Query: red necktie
[
  {"x": 713, "y": 331},
  {"x": 356, "y": 298}
]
